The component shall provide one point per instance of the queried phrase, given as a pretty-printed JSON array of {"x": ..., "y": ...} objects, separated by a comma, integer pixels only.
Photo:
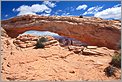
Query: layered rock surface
[
  {"x": 90, "y": 30},
  {"x": 54, "y": 63},
  {"x": 3, "y": 32},
  {"x": 27, "y": 40}
]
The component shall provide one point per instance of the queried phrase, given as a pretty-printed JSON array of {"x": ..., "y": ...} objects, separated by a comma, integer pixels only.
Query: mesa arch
[{"x": 91, "y": 30}]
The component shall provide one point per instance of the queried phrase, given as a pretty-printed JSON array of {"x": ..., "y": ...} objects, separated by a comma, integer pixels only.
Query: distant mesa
[{"x": 91, "y": 30}]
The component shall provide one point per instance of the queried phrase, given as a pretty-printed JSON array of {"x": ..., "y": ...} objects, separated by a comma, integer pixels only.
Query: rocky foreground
[{"x": 22, "y": 61}]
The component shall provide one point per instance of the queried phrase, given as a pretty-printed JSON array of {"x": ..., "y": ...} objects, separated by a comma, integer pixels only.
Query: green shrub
[
  {"x": 116, "y": 60},
  {"x": 109, "y": 71},
  {"x": 40, "y": 42}
]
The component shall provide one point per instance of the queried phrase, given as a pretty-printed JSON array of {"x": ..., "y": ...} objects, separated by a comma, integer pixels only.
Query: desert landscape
[{"x": 94, "y": 55}]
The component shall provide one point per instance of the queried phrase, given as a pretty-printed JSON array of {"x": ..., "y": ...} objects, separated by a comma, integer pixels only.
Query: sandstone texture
[
  {"x": 3, "y": 32},
  {"x": 54, "y": 63},
  {"x": 21, "y": 61},
  {"x": 28, "y": 40},
  {"x": 91, "y": 30}
]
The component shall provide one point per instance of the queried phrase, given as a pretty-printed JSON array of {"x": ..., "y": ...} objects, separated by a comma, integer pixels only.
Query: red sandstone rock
[
  {"x": 98, "y": 51},
  {"x": 52, "y": 64},
  {"x": 3, "y": 33},
  {"x": 49, "y": 38},
  {"x": 75, "y": 49},
  {"x": 27, "y": 40},
  {"x": 91, "y": 30},
  {"x": 91, "y": 47}
]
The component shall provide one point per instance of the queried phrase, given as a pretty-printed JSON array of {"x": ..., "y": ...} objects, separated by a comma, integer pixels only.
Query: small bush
[
  {"x": 109, "y": 71},
  {"x": 42, "y": 39},
  {"x": 80, "y": 16},
  {"x": 116, "y": 60},
  {"x": 40, "y": 42}
]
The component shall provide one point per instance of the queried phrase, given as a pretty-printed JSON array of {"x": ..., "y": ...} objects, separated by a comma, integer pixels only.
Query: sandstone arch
[{"x": 93, "y": 31}]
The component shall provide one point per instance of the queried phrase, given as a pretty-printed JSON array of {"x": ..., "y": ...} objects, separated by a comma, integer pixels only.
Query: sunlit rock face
[
  {"x": 91, "y": 30},
  {"x": 3, "y": 33}
]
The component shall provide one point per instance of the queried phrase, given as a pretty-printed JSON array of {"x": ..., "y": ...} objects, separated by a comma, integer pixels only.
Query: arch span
[{"x": 93, "y": 31}]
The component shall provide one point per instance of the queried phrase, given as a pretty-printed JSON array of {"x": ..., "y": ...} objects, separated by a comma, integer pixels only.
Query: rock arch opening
[
  {"x": 63, "y": 40},
  {"x": 41, "y": 33}
]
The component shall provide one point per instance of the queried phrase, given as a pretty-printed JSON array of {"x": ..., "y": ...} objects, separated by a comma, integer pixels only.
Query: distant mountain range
[{"x": 64, "y": 41}]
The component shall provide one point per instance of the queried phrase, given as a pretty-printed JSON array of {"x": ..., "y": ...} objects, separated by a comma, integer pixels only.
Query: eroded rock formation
[
  {"x": 27, "y": 40},
  {"x": 91, "y": 30},
  {"x": 3, "y": 33},
  {"x": 54, "y": 63}
]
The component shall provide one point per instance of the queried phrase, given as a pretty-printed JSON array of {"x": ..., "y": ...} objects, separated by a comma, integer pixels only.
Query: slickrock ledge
[
  {"x": 91, "y": 30},
  {"x": 53, "y": 63}
]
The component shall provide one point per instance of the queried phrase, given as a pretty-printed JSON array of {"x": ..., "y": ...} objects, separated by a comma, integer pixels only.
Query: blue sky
[{"x": 102, "y": 9}]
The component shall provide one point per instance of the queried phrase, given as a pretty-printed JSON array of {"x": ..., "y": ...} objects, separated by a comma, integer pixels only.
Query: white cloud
[
  {"x": 44, "y": 14},
  {"x": 50, "y": 4},
  {"x": 13, "y": 9},
  {"x": 118, "y": 5},
  {"x": 35, "y": 8},
  {"x": 93, "y": 10},
  {"x": 65, "y": 14},
  {"x": 6, "y": 15},
  {"x": 57, "y": 12},
  {"x": 48, "y": 10},
  {"x": 81, "y": 7},
  {"x": 39, "y": 8},
  {"x": 72, "y": 9},
  {"x": 45, "y": 8},
  {"x": 114, "y": 12}
]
